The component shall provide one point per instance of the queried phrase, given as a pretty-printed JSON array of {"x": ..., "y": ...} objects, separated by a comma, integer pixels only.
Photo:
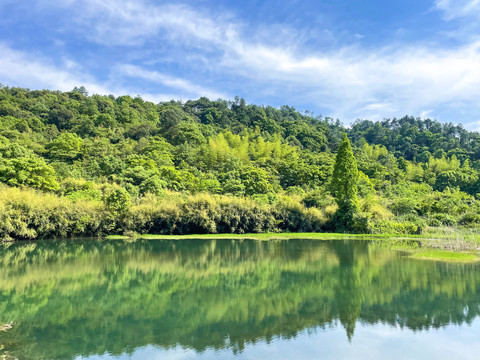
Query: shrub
[
  {"x": 441, "y": 219},
  {"x": 27, "y": 214},
  {"x": 118, "y": 201},
  {"x": 294, "y": 190},
  {"x": 318, "y": 199},
  {"x": 468, "y": 218},
  {"x": 393, "y": 227}
]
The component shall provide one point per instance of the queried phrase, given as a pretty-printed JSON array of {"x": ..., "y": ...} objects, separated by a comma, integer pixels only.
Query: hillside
[{"x": 88, "y": 165}]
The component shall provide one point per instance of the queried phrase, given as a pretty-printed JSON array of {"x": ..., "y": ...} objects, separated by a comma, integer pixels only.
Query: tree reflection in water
[{"x": 71, "y": 299}]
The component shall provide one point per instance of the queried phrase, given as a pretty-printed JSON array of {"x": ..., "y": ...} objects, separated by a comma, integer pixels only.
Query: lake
[{"x": 234, "y": 299}]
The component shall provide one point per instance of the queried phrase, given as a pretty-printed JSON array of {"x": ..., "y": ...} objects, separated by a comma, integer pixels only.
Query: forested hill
[
  {"x": 417, "y": 139},
  {"x": 411, "y": 138},
  {"x": 80, "y": 147}
]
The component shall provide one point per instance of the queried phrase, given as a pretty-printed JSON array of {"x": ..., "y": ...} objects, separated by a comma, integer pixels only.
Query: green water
[{"x": 189, "y": 299}]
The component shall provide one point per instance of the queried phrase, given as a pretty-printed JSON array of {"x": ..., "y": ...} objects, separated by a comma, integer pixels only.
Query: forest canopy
[{"x": 219, "y": 166}]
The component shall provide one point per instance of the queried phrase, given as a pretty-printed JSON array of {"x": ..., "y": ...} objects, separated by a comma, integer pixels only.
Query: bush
[
  {"x": 79, "y": 189},
  {"x": 206, "y": 213},
  {"x": 118, "y": 201},
  {"x": 434, "y": 222},
  {"x": 27, "y": 214},
  {"x": 404, "y": 206},
  {"x": 441, "y": 219},
  {"x": 294, "y": 190},
  {"x": 469, "y": 218},
  {"x": 393, "y": 227},
  {"x": 292, "y": 216},
  {"x": 318, "y": 199}
]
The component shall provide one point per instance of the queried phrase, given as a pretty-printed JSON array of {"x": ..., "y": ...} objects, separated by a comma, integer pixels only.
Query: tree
[
  {"x": 28, "y": 171},
  {"x": 255, "y": 180},
  {"x": 67, "y": 147},
  {"x": 344, "y": 186},
  {"x": 80, "y": 90},
  {"x": 118, "y": 201}
]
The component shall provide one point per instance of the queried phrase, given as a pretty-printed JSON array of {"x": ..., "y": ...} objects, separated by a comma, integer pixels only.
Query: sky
[
  {"x": 379, "y": 341},
  {"x": 346, "y": 59}
]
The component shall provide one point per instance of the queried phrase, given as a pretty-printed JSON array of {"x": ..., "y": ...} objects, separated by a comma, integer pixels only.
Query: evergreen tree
[{"x": 344, "y": 186}]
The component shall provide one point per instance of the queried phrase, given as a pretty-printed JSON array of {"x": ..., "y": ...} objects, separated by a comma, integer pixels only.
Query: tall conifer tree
[{"x": 344, "y": 186}]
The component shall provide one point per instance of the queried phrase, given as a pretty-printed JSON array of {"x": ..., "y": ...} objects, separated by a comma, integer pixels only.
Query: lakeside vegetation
[{"x": 78, "y": 165}]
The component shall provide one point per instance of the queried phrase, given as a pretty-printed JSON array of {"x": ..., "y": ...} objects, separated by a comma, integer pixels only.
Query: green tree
[
  {"x": 344, "y": 186},
  {"x": 32, "y": 172},
  {"x": 255, "y": 181},
  {"x": 118, "y": 201},
  {"x": 67, "y": 147}
]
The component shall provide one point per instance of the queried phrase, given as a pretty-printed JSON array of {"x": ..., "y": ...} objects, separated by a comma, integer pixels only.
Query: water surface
[{"x": 232, "y": 299}]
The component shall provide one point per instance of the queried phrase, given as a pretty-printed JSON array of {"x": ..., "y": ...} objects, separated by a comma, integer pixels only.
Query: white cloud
[
  {"x": 425, "y": 113},
  {"x": 351, "y": 81},
  {"x": 365, "y": 83},
  {"x": 126, "y": 22},
  {"x": 458, "y": 8},
  {"x": 18, "y": 68},
  {"x": 186, "y": 87}
]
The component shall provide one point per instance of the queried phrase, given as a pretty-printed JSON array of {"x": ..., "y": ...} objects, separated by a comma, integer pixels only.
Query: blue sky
[{"x": 347, "y": 59}]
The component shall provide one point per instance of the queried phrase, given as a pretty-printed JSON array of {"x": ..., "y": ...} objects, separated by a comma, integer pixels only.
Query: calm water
[{"x": 296, "y": 299}]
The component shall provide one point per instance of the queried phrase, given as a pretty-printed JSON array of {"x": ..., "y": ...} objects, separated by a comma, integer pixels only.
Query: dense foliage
[{"x": 116, "y": 164}]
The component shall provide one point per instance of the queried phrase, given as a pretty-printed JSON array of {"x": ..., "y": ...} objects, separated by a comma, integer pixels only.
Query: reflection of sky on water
[{"x": 378, "y": 342}]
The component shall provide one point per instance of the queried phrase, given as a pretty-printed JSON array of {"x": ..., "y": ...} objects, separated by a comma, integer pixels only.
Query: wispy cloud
[
  {"x": 458, "y": 8},
  {"x": 17, "y": 68},
  {"x": 132, "y": 23},
  {"x": 354, "y": 80},
  {"x": 187, "y": 88}
]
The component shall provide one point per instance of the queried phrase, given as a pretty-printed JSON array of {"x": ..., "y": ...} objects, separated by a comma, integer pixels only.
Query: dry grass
[{"x": 451, "y": 238}]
